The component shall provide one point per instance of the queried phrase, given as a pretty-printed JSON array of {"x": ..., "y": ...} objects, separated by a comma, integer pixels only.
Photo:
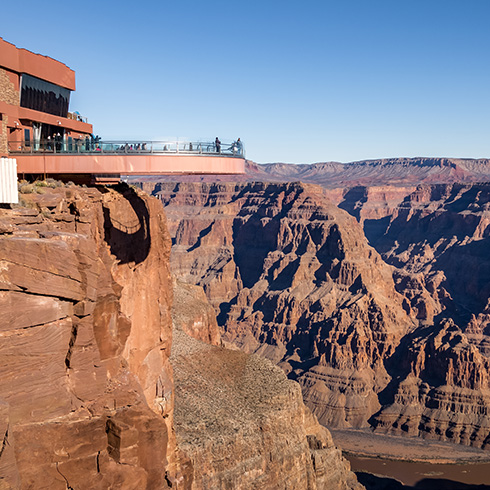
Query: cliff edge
[{"x": 85, "y": 336}]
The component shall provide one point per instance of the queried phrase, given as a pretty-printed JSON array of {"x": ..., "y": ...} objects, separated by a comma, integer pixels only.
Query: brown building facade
[{"x": 34, "y": 101}]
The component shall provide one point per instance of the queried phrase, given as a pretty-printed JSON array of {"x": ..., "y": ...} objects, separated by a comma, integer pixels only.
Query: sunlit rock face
[
  {"x": 85, "y": 295},
  {"x": 437, "y": 238},
  {"x": 292, "y": 277}
]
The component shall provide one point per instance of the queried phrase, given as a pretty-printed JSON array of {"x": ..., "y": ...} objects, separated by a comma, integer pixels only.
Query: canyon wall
[
  {"x": 437, "y": 238},
  {"x": 292, "y": 277},
  {"x": 240, "y": 422},
  {"x": 85, "y": 296}
]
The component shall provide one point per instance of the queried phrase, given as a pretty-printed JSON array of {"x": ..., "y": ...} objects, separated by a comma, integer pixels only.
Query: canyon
[
  {"x": 150, "y": 346},
  {"x": 114, "y": 374},
  {"x": 373, "y": 297}
]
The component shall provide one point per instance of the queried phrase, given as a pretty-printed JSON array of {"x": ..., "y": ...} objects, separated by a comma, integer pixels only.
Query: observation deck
[{"x": 106, "y": 161}]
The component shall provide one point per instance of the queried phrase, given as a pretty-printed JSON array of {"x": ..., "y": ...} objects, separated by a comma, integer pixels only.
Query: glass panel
[{"x": 44, "y": 96}]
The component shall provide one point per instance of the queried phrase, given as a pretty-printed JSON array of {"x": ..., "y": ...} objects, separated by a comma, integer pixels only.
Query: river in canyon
[
  {"x": 393, "y": 462},
  {"x": 421, "y": 475}
]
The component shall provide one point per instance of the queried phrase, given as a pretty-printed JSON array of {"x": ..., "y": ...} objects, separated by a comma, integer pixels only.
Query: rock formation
[
  {"x": 239, "y": 420},
  {"x": 85, "y": 296},
  {"x": 293, "y": 278},
  {"x": 437, "y": 237}
]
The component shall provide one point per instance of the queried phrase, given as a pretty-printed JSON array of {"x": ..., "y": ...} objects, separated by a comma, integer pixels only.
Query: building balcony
[{"x": 93, "y": 157}]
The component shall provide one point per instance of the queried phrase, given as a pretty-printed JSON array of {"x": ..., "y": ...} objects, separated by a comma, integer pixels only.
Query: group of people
[
  {"x": 54, "y": 142},
  {"x": 92, "y": 143},
  {"x": 137, "y": 147},
  {"x": 58, "y": 143},
  {"x": 236, "y": 146}
]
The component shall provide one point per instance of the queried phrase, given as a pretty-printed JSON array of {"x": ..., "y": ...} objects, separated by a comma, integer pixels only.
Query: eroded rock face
[
  {"x": 193, "y": 313},
  {"x": 437, "y": 237},
  {"x": 443, "y": 391},
  {"x": 85, "y": 335},
  {"x": 292, "y": 277},
  {"x": 239, "y": 422},
  {"x": 243, "y": 424}
]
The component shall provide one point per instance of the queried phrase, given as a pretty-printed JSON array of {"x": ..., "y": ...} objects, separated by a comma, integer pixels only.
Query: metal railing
[{"x": 95, "y": 146}]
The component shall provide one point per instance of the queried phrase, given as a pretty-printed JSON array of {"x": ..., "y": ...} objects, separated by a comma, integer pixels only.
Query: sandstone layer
[
  {"x": 293, "y": 278},
  {"x": 240, "y": 421},
  {"x": 85, "y": 336}
]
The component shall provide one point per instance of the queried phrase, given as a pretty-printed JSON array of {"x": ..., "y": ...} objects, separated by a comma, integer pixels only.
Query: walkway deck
[{"x": 104, "y": 158}]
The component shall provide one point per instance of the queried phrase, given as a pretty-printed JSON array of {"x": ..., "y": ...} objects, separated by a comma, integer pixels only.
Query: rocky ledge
[{"x": 241, "y": 422}]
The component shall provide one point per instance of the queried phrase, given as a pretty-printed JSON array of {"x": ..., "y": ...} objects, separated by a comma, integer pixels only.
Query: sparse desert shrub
[
  {"x": 26, "y": 188},
  {"x": 51, "y": 183}
]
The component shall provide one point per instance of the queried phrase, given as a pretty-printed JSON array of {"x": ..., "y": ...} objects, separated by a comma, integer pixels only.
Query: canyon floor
[{"x": 365, "y": 443}]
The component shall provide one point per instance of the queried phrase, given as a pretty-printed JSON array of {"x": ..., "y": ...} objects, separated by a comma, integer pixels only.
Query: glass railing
[{"x": 95, "y": 146}]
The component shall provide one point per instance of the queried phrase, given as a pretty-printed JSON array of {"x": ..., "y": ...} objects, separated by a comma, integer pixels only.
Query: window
[{"x": 44, "y": 96}]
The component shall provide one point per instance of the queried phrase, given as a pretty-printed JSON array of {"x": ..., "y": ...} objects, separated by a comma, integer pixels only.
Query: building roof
[{"x": 23, "y": 61}]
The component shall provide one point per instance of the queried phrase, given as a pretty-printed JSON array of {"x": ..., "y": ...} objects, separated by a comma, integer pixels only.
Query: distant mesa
[{"x": 333, "y": 175}]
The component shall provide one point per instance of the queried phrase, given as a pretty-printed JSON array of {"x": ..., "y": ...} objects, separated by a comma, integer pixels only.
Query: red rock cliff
[{"x": 85, "y": 380}]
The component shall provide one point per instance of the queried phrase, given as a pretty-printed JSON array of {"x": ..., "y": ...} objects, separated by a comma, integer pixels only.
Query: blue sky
[{"x": 299, "y": 82}]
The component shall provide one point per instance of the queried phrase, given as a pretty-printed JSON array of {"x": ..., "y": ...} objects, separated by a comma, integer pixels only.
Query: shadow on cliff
[
  {"x": 129, "y": 243},
  {"x": 354, "y": 200},
  {"x": 254, "y": 238},
  {"x": 399, "y": 366},
  {"x": 375, "y": 482}
]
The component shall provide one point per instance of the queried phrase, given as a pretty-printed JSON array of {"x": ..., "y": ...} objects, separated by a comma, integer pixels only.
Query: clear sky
[{"x": 299, "y": 82}]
